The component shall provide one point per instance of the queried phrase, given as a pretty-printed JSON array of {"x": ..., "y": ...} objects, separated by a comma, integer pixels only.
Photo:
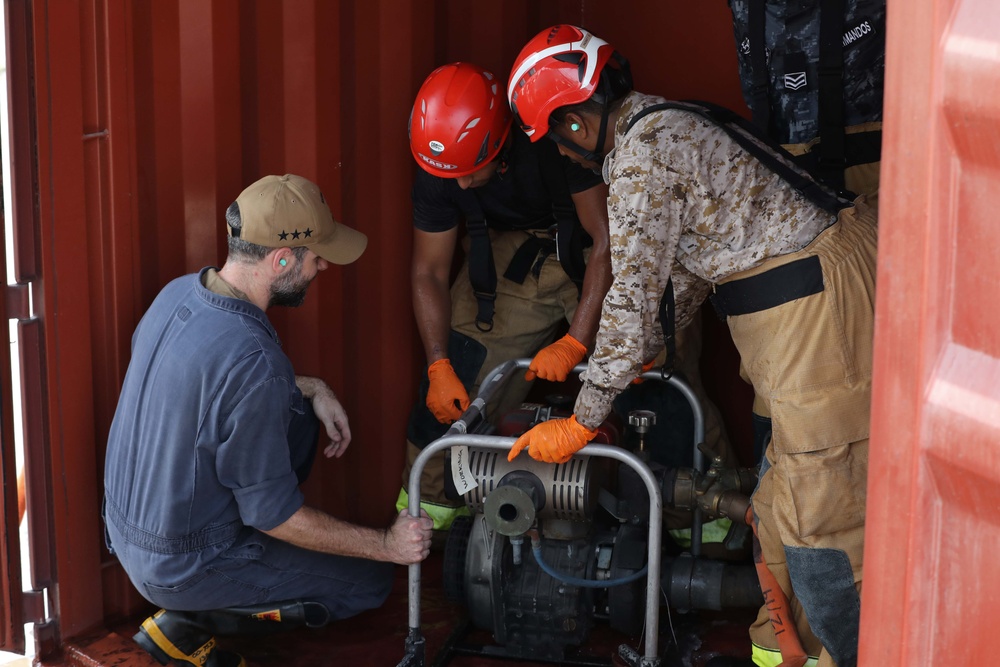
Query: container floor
[{"x": 377, "y": 638}]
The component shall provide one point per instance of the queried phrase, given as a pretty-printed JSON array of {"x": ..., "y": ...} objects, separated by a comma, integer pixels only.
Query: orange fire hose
[{"x": 792, "y": 653}]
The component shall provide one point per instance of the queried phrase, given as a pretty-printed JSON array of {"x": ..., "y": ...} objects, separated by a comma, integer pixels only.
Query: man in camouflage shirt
[{"x": 691, "y": 207}]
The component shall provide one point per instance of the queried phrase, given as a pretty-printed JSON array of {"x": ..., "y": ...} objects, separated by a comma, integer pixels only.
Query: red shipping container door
[{"x": 932, "y": 588}]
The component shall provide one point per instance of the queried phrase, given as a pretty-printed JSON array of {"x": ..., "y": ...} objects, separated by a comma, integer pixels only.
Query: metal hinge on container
[
  {"x": 33, "y": 606},
  {"x": 18, "y": 302}
]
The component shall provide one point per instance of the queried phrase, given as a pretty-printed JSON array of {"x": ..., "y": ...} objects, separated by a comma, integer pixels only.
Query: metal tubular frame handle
[
  {"x": 607, "y": 451},
  {"x": 458, "y": 435}
]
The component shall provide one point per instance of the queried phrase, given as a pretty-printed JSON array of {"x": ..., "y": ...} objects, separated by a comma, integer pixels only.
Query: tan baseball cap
[{"x": 290, "y": 211}]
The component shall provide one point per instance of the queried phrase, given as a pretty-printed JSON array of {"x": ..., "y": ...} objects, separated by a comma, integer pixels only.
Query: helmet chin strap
[
  {"x": 504, "y": 157},
  {"x": 590, "y": 156}
]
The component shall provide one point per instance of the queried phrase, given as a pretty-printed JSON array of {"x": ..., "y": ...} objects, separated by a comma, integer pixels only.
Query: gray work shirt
[{"x": 198, "y": 448}]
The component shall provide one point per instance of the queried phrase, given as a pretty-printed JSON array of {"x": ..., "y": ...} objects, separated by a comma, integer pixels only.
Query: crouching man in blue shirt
[{"x": 214, "y": 433}]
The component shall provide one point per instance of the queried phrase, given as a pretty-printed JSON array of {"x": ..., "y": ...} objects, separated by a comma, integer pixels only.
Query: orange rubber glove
[
  {"x": 553, "y": 441},
  {"x": 555, "y": 361},
  {"x": 446, "y": 397},
  {"x": 646, "y": 367}
]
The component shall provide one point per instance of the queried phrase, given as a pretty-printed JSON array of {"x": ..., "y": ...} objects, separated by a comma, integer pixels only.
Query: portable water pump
[{"x": 552, "y": 549}]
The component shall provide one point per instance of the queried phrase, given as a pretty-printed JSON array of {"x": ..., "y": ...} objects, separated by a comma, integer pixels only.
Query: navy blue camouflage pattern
[{"x": 791, "y": 35}]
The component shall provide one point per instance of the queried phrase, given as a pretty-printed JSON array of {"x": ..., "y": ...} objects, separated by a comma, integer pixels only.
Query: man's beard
[{"x": 289, "y": 289}]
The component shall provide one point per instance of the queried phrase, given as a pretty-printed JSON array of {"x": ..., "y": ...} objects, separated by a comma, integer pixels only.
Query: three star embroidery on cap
[{"x": 295, "y": 234}]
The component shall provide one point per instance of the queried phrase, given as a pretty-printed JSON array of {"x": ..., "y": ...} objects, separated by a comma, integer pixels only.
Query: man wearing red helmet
[
  {"x": 697, "y": 205},
  {"x": 529, "y": 213}
]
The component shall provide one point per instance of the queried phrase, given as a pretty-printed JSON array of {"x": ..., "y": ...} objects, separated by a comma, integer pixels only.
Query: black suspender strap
[
  {"x": 669, "y": 326},
  {"x": 832, "y": 157},
  {"x": 569, "y": 244},
  {"x": 482, "y": 272},
  {"x": 529, "y": 258},
  {"x": 765, "y": 150},
  {"x": 760, "y": 83},
  {"x": 570, "y": 236}
]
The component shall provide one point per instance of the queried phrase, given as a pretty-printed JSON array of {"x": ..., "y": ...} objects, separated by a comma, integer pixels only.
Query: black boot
[
  {"x": 187, "y": 636},
  {"x": 174, "y": 635},
  {"x": 263, "y": 618}
]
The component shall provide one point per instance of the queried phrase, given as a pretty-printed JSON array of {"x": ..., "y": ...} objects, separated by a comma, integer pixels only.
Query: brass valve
[{"x": 642, "y": 421}]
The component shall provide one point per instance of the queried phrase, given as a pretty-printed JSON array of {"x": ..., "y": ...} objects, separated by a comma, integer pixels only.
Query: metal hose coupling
[{"x": 720, "y": 492}]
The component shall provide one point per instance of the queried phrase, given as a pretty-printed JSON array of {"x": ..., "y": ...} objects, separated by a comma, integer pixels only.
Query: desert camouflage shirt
[{"x": 685, "y": 201}]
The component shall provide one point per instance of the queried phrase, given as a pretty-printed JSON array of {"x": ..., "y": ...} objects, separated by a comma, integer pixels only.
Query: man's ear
[
  {"x": 575, "y": 123},
  {"x": 281, "y": 258}
]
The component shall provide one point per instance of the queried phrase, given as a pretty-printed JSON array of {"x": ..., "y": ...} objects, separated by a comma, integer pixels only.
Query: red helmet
[
  {"x": 459, "y": 120},
  {"x": 560, "y": 66}
]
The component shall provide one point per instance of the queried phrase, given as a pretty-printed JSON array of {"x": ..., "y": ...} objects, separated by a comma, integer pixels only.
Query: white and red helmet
[
  {"x": 460, "y": 120},
  {"x": 561, "y": 66}
]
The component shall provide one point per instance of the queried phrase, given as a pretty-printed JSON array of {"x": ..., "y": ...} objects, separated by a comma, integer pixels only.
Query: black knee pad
[{"x": 823, "y": 581}]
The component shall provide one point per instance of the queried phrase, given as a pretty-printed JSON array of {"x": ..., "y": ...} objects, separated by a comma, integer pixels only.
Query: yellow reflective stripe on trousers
[
  {"x": 443, "y": 515},
  {"x": 771, "y": 657},
  {"x": 711, "y": 532}
]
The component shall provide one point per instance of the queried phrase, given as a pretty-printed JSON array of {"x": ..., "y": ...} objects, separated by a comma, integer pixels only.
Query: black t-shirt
[{"x": 517, "y": 200}]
